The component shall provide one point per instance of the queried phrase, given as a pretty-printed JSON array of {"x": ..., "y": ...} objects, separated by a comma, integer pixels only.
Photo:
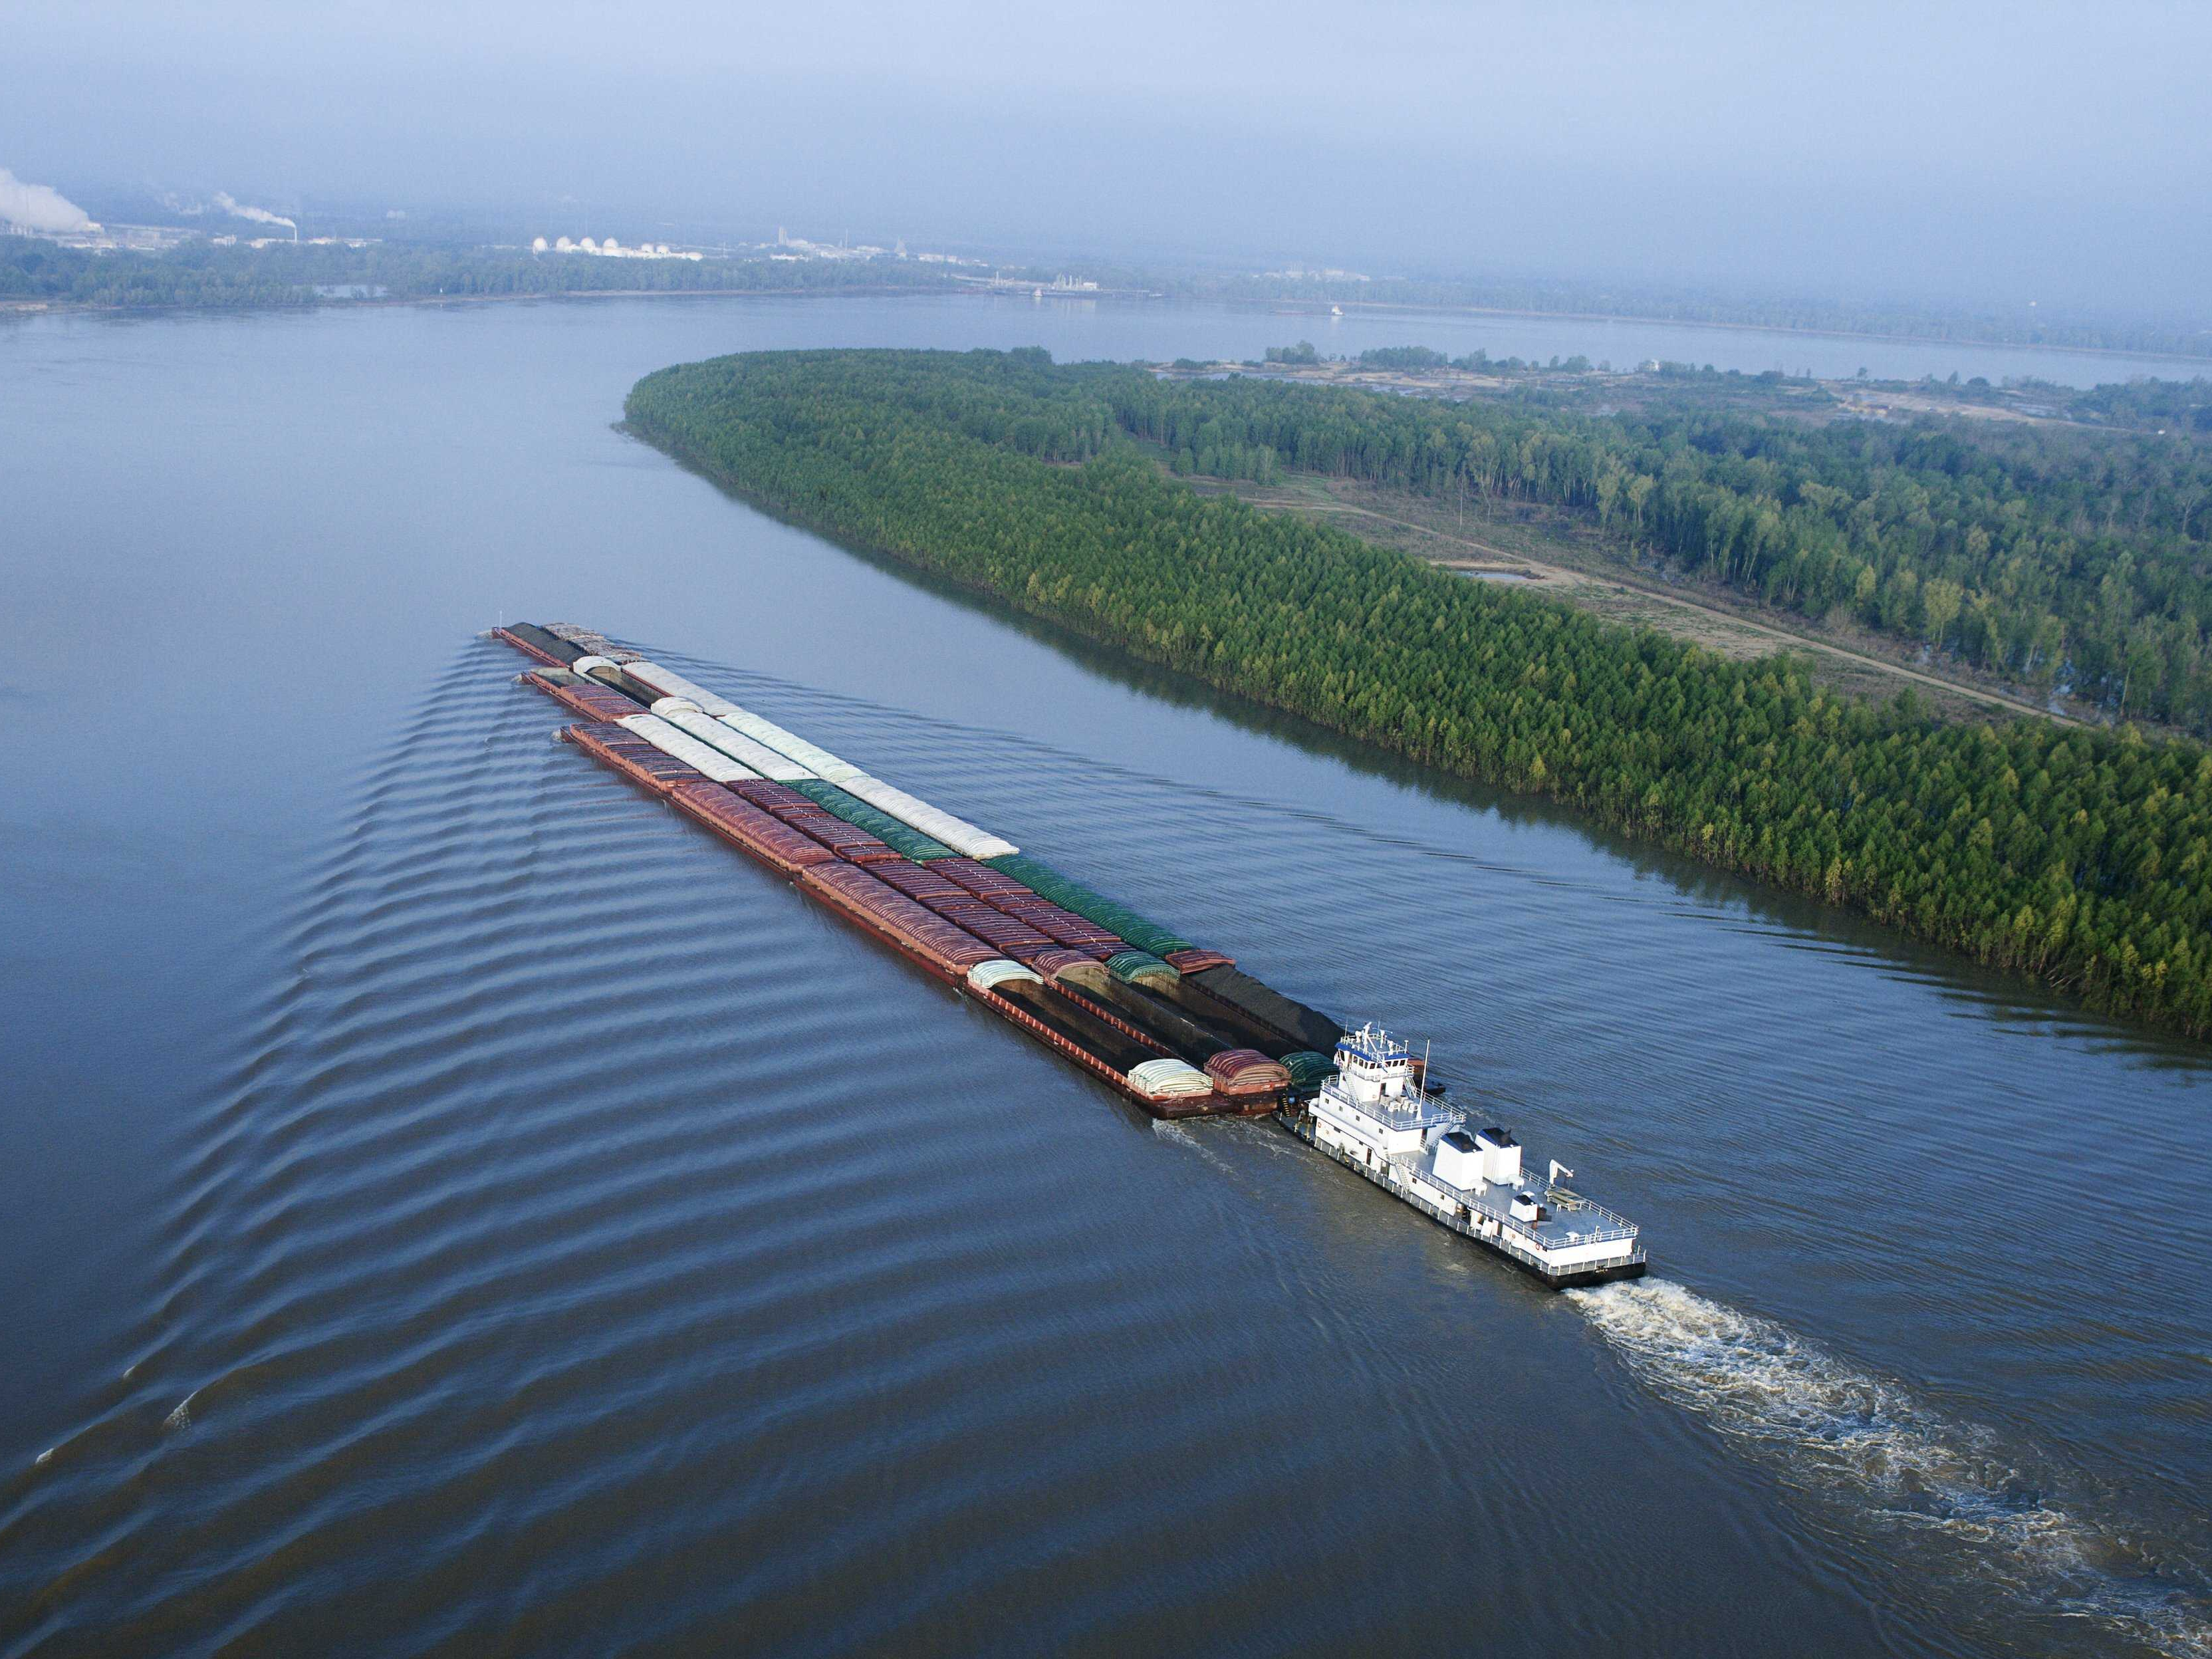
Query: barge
[{"x": 1175, "y": 1026}]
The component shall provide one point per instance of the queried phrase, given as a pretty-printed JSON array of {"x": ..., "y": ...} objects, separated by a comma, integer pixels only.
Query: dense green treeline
[
  {"x": 35, "y": 270},
  {"x": 2076, "y": 856},
  {"x": 2178, "y": 406},
  {"x": 203, "y": 274},
  {"x": 2051, "y": 556}
]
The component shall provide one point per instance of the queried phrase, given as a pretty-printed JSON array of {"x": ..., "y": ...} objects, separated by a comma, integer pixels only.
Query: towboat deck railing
[
  {"x": 1420, "y": 1105},
  {"x": 1561, "y": 1198},
  {"x": 1620, "y": 1226}
]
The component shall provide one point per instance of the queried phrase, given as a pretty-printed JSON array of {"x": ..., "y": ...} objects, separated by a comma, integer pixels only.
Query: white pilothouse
[{"x": 1377, "y": 1116}]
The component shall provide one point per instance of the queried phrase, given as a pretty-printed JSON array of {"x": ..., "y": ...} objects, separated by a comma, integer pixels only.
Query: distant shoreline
[
  {"x": 12, "y": 307},
  {"x": 320, "y": 303},
  {"x": 1319, "y": 308}
]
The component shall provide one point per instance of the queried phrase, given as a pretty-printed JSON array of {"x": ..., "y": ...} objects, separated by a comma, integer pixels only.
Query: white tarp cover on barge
[
  {"x": 738, "y": 747},
  {"x": 818, "y": 761},
  {"x": 670, "y": 683},
  {"x": 962, "y": 836},
  {"x": 813, "y": 756},
  {"x": 688, "y": 749},
  {"x": 812, "y": 760},
  {"x": 1167, "y": 1079},
  {"x": 989, "y": 975}
]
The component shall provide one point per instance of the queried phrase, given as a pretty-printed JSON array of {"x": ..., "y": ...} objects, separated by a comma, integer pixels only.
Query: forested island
[{"x": 2076, "y": 856}]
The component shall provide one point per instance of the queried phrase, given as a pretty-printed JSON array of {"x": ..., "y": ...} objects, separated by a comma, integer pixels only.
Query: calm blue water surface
[{"x": 452, "y": 1205}]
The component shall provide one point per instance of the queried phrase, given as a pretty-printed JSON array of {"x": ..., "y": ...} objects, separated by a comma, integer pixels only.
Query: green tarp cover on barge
[
  {"x": 900, "y": 836},
  {"x": 1069, "y": 894},
  {"x": 1140, "y": 968}
]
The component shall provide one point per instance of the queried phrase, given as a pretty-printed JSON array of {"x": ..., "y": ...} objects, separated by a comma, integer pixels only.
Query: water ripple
[
  {"x": 1844, "y": 1431},
  {"x": 595, "y": 1243}
]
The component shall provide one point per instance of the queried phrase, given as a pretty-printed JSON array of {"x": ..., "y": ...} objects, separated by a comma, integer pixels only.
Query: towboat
[{"x": 1378, "y": 1116}]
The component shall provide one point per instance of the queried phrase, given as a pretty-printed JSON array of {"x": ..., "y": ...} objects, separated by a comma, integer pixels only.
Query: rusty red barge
[{"x": 1169, "y": 1025}]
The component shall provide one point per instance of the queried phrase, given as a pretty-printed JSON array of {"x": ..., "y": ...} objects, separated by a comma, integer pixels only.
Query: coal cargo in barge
[{"x": 1173, "y": 1025}]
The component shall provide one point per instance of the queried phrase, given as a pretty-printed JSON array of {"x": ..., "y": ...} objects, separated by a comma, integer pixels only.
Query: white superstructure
[{"x": 1377, "y": 1115}]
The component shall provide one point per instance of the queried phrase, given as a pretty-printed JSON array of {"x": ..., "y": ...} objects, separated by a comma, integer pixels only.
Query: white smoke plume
[
  {"x": 237, "y": 209},
  {"x": 38, "y": 207}
]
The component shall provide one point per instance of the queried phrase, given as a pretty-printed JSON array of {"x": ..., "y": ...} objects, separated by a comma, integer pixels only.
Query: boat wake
[{"x": 1846, "y": 1433}]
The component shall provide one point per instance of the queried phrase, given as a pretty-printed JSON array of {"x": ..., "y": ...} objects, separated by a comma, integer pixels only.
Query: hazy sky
[{"x": 2010, "y": 152}]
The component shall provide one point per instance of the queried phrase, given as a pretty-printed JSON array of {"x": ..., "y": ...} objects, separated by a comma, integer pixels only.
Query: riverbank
[{"x": 1743, "y": 766}]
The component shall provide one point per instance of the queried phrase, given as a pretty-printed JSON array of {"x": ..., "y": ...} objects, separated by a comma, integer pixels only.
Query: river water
[{"x": 451, "y": 1204}]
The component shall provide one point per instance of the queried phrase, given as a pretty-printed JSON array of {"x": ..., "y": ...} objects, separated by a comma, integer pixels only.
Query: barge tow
[{"x": 1176, "y": 1027}]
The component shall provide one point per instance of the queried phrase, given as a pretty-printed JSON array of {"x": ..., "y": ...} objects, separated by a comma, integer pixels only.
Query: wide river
[{"x": 451, "y": 1205}]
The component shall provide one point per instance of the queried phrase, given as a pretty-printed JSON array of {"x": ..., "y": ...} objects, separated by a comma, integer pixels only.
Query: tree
[
  {"x": 1939, "y": 603},
  {"x": 960, "y": 464}
]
